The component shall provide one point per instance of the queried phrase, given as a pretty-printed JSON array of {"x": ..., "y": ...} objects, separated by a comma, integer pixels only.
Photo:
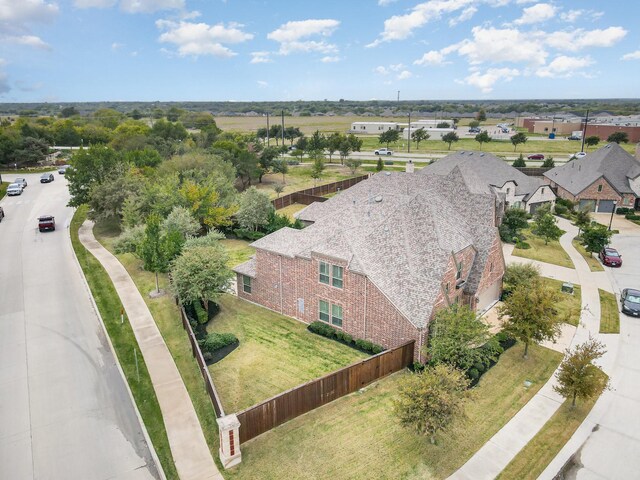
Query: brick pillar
[
  {"x": 409, "y": 167},
  {"x": 229, "y": 452}
]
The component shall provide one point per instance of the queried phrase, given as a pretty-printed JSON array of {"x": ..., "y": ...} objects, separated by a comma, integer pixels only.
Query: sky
[{"x": 249, "y": 50}]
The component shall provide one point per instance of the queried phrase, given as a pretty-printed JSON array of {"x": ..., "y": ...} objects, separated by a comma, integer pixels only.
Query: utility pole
[
  {"x": 409, "y": 135},
  {"x": 267, "y": 129},
  {"x": 282, "y": 112},
  {"x": 398, "y": 96},
  {"x": 584, "y": 131}
]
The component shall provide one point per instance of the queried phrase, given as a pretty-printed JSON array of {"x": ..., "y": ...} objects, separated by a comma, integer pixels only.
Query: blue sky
[{"x": 199, "y": 50}]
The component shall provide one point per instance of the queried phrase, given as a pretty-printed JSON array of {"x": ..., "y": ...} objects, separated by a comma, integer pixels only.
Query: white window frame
[{"x": 246, "y": 284}]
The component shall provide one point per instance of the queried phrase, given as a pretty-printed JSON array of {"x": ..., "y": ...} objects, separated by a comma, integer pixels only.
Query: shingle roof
[
  {"x": 481, "y": 170},
  {"x": 399, "y": 230},
  {"x": 611, "y": 162}
]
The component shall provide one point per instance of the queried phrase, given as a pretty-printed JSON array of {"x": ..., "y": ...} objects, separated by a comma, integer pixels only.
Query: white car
[
  {"x": 579, "y": 155},
  {"x": 383, "y": 151},
  {"x": 14, "y": 189}
]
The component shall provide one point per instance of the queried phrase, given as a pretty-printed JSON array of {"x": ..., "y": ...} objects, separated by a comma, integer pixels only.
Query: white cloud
[
  {"x": 432, "y": 57},
  {"x": 115, "y": 46},
  {"x": 578, "y": 39},
  {"x": 400, "y": 27},
  {"x": 466, "y": 14},
  {"x": 27, "y": 11},
  {"x": 94, "y": 3},
  {"x": 195, "y": 39},
  {"x": 564, "y": 66},
  {"x": 405, "y": 74},
  {"x": 631, "y": 56},
  {"x": 150, "y": 6},
  {"x": 260, "y": 57},
  {"x": 396, "y": 67},
  {"x": 27, "y": 40},
  {"x": 540, "y": 12},
  {"x": 486, "y": 81},
  {"x": 501, "y": 45},
  {"x": 571, "y": 16},
  {"x": 380, "y": 70},
  {"x": 330, "y": 59},
  {"x": 292, "y": 36},
  {"x": 384, "y": 3},
  {"x": 262, "y": 84}
]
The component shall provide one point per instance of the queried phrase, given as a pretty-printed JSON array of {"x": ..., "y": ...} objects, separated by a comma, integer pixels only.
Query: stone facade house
[
  {"x": 486, "y": 173},
  {"x": 379, "y": 259},
  {"x": 600, "y": 181}
]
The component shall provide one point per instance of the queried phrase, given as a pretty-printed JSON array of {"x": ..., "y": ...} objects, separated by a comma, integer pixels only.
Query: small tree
[
  {"x": 181, "y": 220},
  {"x": 582, "y": 220},
  {"x": 519, "y": 162},
  {"x": 548, "y": 162},
  {"x": 390, "y": 136},
  {"x": 278, "y": 188},
  {"x": 254, "y": 210},
  {"x": 483, "y": 137},
  {"x": 474, "y": 124},
  {"x": 418, "y": 136},
  {"x": 519, "y": 274},
  {"x": 429, "y": 401},
  {"x": 317, "y": 142},
  {"x": 577, "y": 376},
  {"x": 546, "y": 227},
  {"x": 280, "y": 166},
  {"x": 345, "y": 149},
  {"x": 592, "y": 141},
  {"x": 450, "y": 138},
  {"x": 379, "y": 165},
  {"x": 595, "y": 237},
  {"x": 517, "y": 139},
  {"x": 514, "y": 220},
  {"x": 153, "y": 249},
  {"x": 530, "y": 314},
  {"x": 618, "y": 137},
  {"x": 481, "y": 116},
  {"x": 333, "y": 143},
  {"x": 353, "y": 164},
  {"x": 317, "y": 168},
  {"x": 443, "y": 125}
]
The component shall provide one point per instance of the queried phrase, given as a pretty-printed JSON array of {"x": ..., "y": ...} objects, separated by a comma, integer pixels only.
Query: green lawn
[
  {"x": 594, "y": 264},
  {"x": 291, "y": 209},
  {"x": 531, "y": 461},
  {"x": 548, "y": 253},
  {"x": 358, "y": 436},
  {"x": 3, "y": 189},
  {"x": 124, "y": 343},
  {"x": 609, "y": 315},
  {"x": 239, "y": 251},
  {"x": 569, "y": 306},
  {"x": 275, "y": 353}
]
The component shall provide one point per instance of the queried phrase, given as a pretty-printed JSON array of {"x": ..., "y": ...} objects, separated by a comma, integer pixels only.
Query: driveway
[{"x": 65, "y": 412}]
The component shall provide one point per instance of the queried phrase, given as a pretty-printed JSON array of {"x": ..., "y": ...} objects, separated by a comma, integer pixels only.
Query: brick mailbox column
[{"x": 229, "y": 452}]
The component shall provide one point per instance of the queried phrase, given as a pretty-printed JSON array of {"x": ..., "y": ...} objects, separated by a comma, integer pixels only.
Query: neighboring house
[
  {"x": 599, "y": 181},
  {"x": 486, "y": 173},
  {"x": 379, "y": 259}
]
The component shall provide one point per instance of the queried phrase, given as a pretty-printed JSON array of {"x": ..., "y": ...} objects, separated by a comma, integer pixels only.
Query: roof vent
[
  {"x": 378, "y": 199},
  {"x": 462, "y": 152},
  {"x": 387, "y": 173},
  {"x": 482, "y": 154},
  {"x": 470, "y": 153}
]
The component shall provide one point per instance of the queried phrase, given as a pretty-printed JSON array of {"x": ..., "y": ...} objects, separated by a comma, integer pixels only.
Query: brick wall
[{"x": 603, "y": 131}]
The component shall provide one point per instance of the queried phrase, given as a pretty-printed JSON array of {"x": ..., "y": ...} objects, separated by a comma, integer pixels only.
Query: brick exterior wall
[
  {"x": 603, "y": 131},
  {"x": 591, "y": 193}
]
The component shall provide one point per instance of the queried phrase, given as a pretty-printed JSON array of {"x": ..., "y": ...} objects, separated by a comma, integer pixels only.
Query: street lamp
[{"x": 612, "y": 212}]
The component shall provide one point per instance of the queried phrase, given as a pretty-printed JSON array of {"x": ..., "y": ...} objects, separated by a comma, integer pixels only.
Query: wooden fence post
[{"x": 229, "y": 452}]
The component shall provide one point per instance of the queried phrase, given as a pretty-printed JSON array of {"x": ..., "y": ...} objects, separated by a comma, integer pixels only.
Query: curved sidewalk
[
  {"x": 495, "y": 455},
  {"x": 188, "y": 446}
]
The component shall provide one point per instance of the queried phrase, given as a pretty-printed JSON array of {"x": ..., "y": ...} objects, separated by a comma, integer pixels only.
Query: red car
[
  {"x": 46, "y": 222},
  {"x": 610, "y": 257},
  {"x": 535, "y": 156}
]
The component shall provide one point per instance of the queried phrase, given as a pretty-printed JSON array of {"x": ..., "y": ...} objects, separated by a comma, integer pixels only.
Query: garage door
[
  {"x": 489, "y": 296},
  {"x": 605, "y": 206},
  {"x": 589, "y": 205},
  {"x": 534, "y": 206}
]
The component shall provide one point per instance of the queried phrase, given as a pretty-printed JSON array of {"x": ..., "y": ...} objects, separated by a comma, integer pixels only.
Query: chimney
[{"x": 409, "y": 167}]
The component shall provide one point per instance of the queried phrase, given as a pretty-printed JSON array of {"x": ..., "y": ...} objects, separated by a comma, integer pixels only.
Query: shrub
[
  {"x": 624, "y": 210},
  {"x": 328, "y": 331},
  {"x": 293, "y": 162},
  {"x": 388, "y": 162},
  {"x": 323, "y": 329},
  {"x": 561, "y": 209},
  {"x": 247, "y": 234},
  {"x": 216, "y": 341},
  {"x": 200, "y": 313},
  {"x": 418, "y": 367},
  {"x": 505, "y": 340},
  {"x": 565, "y": 203},
  {"x": 632, "y": 216},
  {"x": 129, "y": 240},
  {"x": 522, "y": 245},
  {"x": 377, "y": 349},
  {"x": 365, "y": 345},
  {"x": 344, "y": 337},
  {"x": 473, "y": 374}
]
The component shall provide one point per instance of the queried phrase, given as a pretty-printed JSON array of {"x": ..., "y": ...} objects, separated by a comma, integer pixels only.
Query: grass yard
[
  {"x": 291, "y": 210},
  {"x": 569, "y": 306},
  {"x": 3, "y": 189},
  {"x": 549, "y": 253},
  {"x": 299, "y": 178},
  {"x": 609, "y": 315},
  {"x": 358, "y": 436},
  {"x": 593, "y": 262},
  {"x": 239, "y": 251},
  {"x": 531, "y": 461},
  {"x": 275, "y": 353}
]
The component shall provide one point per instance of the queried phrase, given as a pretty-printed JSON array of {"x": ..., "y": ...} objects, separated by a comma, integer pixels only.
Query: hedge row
[{"x": 328, "y": 331}]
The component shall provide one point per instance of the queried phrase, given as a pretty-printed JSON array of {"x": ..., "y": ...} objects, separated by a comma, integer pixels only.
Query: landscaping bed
[
  {"x": 609, "y": 315},
  {"x": 549, "y": 253}
]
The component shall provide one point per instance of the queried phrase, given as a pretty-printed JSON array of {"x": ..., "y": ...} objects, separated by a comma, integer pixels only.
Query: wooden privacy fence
[
  {"x": 315, "y": 194},
  {"x": 202, "y": 365},
  {"x": 273, "y": 412}
]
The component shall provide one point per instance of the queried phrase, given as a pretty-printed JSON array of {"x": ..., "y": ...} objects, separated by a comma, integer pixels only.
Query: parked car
[
  {"x": 63, "y": 169},
  {"x": 21, "y": 181},
  {"x": 14, "y": 189},
  {"x": 578, "y": 155},
  {"x": 574, "y": 137},
  {"x": 46, "y": 222},
  {"x": 535, "y": 156},
  {"x": 630, "y": 302},
  {"x": 383, "y": 151},
  {"x": 46, "y": 178},
  {"x": 1, "y": 214},
  {"x": 610, "y": 257}
]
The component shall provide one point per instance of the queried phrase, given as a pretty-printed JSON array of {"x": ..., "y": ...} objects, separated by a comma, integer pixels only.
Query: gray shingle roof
[
  {"x": 481, "y": 170},
  {"x": 399, "y": 230},
  {"x": 611, "y": 162}
]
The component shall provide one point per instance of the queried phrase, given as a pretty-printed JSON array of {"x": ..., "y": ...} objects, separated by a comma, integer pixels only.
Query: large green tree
[
  {"x": 618, "y": 137},
  {"x": 483, "y": 137},
  {"x": 592, "y": 141},
  {"x": 390, "y": 136},
  {"x": 450, "y": 138},
  {"x": 545, "y": 225},
  {"x": 90, "y": 168},
  {"x": 577, "y": 376},
  {"x": 517, "y": 139},
  {"x": 514, "y": 220},
  {"x": 595, "y": 237},
  {"x": 419, "y": 135},
  {"x": 254, "y": 210}
]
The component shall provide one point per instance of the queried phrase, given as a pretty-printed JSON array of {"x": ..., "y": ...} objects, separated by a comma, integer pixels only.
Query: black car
[
  {"x": 46, "y": 178},
  {"x": 630, "y": 302},
  {"x": 1, "y": 214}
]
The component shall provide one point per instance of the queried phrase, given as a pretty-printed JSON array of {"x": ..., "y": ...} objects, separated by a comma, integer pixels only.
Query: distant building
[
  {"x": 601, "y": 126},
  {"x": 372, "y": 128}
]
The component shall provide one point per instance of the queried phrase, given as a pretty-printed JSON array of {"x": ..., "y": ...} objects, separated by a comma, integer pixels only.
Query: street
[{"x": 65, "y": 412}]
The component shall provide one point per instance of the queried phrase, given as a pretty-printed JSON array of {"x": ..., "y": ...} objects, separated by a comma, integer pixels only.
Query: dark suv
[{"x": 46, "y": 222}]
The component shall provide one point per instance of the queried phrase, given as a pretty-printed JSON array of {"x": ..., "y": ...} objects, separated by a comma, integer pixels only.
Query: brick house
[
  {"x": 486, "y": 173},
  {"x": 379, "y": 259},
  {"x": 600, "y": 181}
]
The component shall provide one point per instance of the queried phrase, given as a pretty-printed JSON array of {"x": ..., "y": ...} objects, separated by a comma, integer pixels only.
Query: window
[
  {"x": 246, "y": 284},
  {"x": 323, "y": 308},
  {"x": 600, "y": 187},
  {"x": 336, "y": 277},
  {"x": 459, "y": 271},
  {"x": 324, "y": 273},
  {"x": 508, "y": 190},
  {"x": 336, "y": 315},
  {"x": 491, "y": 267}
]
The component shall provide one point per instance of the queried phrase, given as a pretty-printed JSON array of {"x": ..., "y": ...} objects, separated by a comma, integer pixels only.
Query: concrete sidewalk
[
  {"x": 188, "y": 446},
  {"x": 495, "y": 455}
]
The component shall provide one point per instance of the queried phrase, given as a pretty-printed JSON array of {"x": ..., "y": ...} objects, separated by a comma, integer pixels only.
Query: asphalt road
[{"x": 65, "y": 412}]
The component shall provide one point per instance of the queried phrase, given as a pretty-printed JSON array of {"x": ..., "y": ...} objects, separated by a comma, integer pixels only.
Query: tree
[
  {"x": 519, "y": 274},
  {"x": 390, "y": 136},
  {"x": 483, "y": 137},
  {"x": 291, "y": 133},
  {"x": 203, "y": 200},
  {"x": 318, "y": 167},
  {"x": 67, "y": 112},
  {"x": 174, "y": 113},
  {"x": 333, "y": 143},
  {"x": 545, "y": 226},
  {"x": 379, "y": 165},
  {"x": 106, "y": 199},
  {"x": 419, "y": 135},
  {"x": 517, "y": 139},
  {"x": 592, "y": 141},
  {"x": 481, "y": 116},
  {"x": 91, "y": 167},
  {"x": 595, "y": 237},
  {"x": 278, "y": 188},
  {"x": 530, "y": 314},
  {"x": 548, "y": 162},
  {"x": 344, "y": 149},
  {"x": 577, "y": 376},
  {"x": 135, "y": 114},
  {"x": 456, "y": 333},
  {"x": 154, "y": 250},
  {"x": 181, "y": 220},
  {"x": 280, "y": 166},
  {"x": 450, "y": 138},
  {"x": 519, "y": 162},
  {"x": 429, "y": 401},
  {"x": 474, "y": 124},
  {"x": 275, "y": 131},
  {"x": 514, "y": 220},
  {"x": 353, "y": 164},
  {"x": 254, "y": 210},
  {"x": 582, "y": 220},
  {"x": 200, "y": 273},
  {"x": 443, "y": 125},
  {"x": 618, "y": 137},
  {"x": 317, "y": 142},
  {"x": 354, "y": 142}
]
